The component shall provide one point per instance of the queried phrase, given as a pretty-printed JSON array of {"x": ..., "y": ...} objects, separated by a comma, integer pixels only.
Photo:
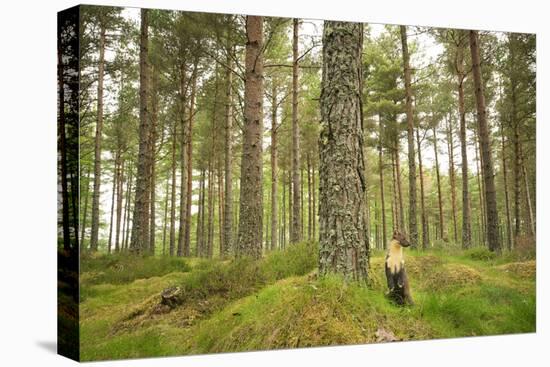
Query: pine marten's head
[{"x": 400, "y": 238}]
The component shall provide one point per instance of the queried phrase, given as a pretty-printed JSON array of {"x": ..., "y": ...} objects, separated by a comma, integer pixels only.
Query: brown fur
[{"x": 398, "y": 282}]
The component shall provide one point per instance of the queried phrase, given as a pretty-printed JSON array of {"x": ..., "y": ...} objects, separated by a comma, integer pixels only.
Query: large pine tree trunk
[
  {"x": 413, "y": 230},
  {"x": 381, "y": 178},
  {"x": 251, "y": 201},
  {"x": 423, "y": 215},
  {"x": 343, "y": 243},
  {"x": 296, "y": 225},
  {"x": 140, "y": 226},
  {"x": 274, "y": 169},
  {"x": 228, "y": 217},
  {"x": 466, "y": 218},
  {"x": 98, "y": 138},
  {"x": 485, "y": 142},
  {"x": 439, "y": 198}
]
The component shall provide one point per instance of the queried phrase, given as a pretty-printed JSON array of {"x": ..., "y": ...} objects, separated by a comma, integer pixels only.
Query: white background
[{"x": 28, "y": 181}]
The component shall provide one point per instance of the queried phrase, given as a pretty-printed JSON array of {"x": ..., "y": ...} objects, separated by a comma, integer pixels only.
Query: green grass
[{"x": 279, "y": 302}]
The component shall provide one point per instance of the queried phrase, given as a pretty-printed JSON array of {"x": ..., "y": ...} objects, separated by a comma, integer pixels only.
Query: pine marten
[{"x": 396, "y": 276}]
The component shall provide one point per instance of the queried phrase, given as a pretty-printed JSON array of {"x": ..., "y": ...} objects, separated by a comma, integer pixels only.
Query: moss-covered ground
[{"x": 280, "y": 302}]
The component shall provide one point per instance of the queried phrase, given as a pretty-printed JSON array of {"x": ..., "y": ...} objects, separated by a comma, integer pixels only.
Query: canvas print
[{"x": 235, "y": 183}]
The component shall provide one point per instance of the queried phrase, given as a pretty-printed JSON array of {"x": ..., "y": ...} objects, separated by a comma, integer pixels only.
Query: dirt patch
[
  {"x": 524, "y": 269},
  {"x": 450, "y": 275}
]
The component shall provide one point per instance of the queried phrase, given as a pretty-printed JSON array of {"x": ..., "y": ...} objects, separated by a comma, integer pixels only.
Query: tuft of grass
[{"x": 480, "y": 253}]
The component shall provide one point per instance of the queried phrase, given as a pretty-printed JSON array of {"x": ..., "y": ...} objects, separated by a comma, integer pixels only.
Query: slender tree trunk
[
  {"x": 152, "y": 161},
  {"x": 400, "y": 213},
  {"x": 200, "y": 228},
  {"x": 309, "y": 213},
  {"x": 423, "y": 215},
  {"x": 381, "y": 176},
  {"x": 220, "y": 208},
  {"x": 466, "y": 221},
  {"x": 140, "y": 225},
  {"x": 98, "y": 138},
  {"x": 314, "y": 201},
  {"x": 211, "y": 199},
  {"x": 111, "y": 220},
  {"x": 172, "y": 246},
  {"x": 251, "y": 200},
  {"x": 228, "y": 217},
  {"x": 119, "y": 195},
  {"x": 126, "y": 232},
  {"x": 165, "y": 220},
  {"x": 396, "y": 222},
  {"x": 485, "y": 142},
  {"x": 296, "y": 225},
  {"x": 482, "y": 238},
  {"x": 283, "y": 239},
  {"x": 187, "y": 243},
  {"x": 413, "y": 230},
  {"x": 85, "y": 213},
  {"x": 343, "y": 243},
  {"x": 506, "y": 196},
  {"x": 274, "y": 169},
  {"x": 452, "y": 177},
  {"x": 183, "y": 168},
  {"x": 439, "y": 199},
  {"x": 530, "y": 215}
]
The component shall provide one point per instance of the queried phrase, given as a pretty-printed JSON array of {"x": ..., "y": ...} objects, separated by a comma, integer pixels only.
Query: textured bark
[
  {"x": 343, "y": 243},
  {"x": 97, "y": 141},
  {"x": 189, "y": 190},
  {"x": 296, "y": 226},
  {"x": 413, "y": 230},
  {"x": 140, "y": 225},
  {"x": 423, "y": 215},
  {"x": 493, "y": 236},
  {"x": 439, "y": 198},
  {"x": 251, "y": 199},
  {"x": 452, "y": 177},
  {"x": 466, "y": 217},
  {"x": 228, "y": 217},
  {"x": 274, "y": 169}
]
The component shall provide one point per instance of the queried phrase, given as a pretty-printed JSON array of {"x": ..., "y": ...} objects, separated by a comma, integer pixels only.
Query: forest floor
[{"x": 279, "y": 302}]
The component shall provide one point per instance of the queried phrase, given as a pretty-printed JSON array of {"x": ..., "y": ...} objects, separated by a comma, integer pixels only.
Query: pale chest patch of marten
[{"x": 394, "y": 258}]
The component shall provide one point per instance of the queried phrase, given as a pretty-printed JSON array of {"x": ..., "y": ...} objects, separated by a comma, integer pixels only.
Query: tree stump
[{"x": 171, "y": 297}]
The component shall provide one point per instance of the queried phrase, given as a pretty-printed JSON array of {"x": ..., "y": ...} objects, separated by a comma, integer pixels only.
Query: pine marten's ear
[{"x": 395, "y": 233}]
